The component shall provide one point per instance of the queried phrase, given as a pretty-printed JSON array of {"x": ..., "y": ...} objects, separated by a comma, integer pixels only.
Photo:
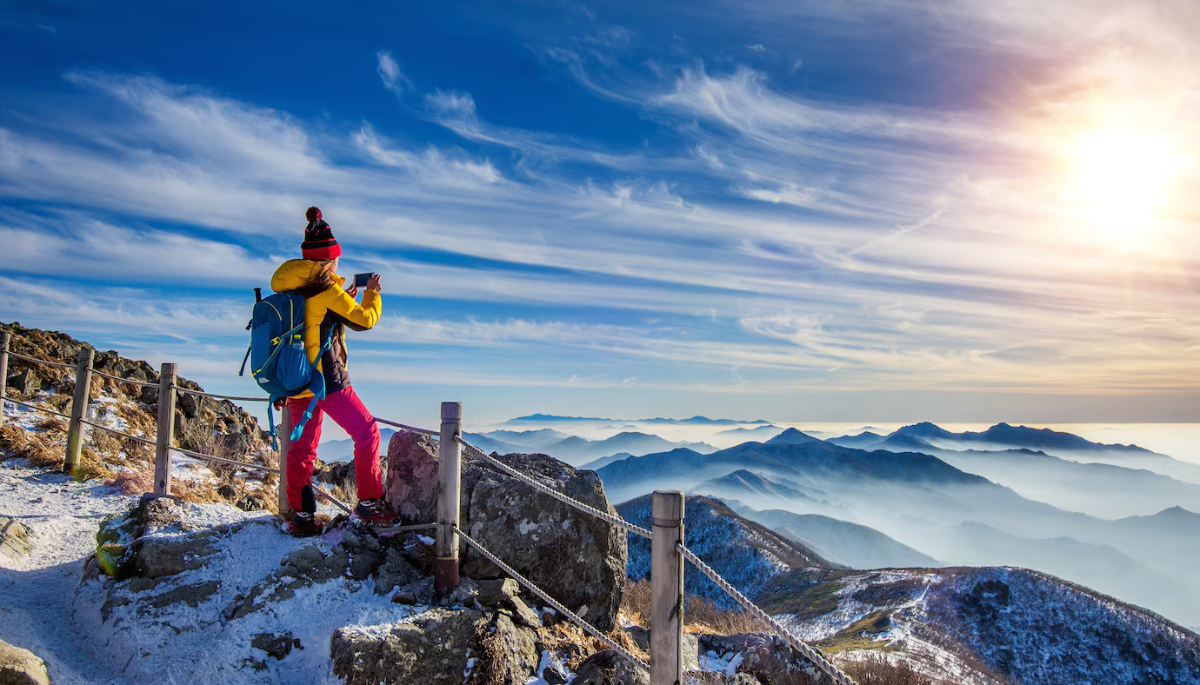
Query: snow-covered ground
[{"x": 36, "y": 591}]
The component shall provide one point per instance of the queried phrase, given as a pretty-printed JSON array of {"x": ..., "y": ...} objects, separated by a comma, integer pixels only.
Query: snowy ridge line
[
  {"x": 426, "y": 431},
  {"x": 614, "y": 520},
  {"x": 811, "y": 653},
  {"x": 36, "y": 408},
  {"x": 587, "y": 627},
  {"x": 214, "y": 395},
  {"x": 41, "y": 361},
  {"x": 127, "y": 381}
]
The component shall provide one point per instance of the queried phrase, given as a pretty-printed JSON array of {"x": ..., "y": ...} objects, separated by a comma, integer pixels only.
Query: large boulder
[
  {"x": 607, "y": 668},
  {"x": 440, "y": 647},
  {"x": 586, "y": 572},
  {"x": 21, "y": 667},
  {"x": 769, "y": 658}
]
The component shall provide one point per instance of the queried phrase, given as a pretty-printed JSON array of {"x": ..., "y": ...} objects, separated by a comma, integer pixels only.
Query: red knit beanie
[{"x": 319, "y": 243}]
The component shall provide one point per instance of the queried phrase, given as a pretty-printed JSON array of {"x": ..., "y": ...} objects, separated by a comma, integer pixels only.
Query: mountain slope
[
  {"x": 745, "y": 553},
  {"x": 986, "y": 626},
  {"x": 847, "y": 543}
]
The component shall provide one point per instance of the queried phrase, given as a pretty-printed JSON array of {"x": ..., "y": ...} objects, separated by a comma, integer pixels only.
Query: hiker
[{"x": 330, "y": 309}]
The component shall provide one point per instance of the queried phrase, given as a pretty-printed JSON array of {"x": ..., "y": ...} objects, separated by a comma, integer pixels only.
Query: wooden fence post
[
  {"x": 5, "y": 338},
  {"x": 445, "y": 570},
  {"x": 283, "y": 432},
  {"x": 166, "y": 430},
  {"x": 666, "y": 589},
  {"x": 79, "y": 407}
]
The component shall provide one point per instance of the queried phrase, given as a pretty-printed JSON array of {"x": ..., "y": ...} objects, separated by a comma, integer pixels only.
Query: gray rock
[
  {"x": 513, "y": 652},
  {"x": 608, "y": 668},
  {"x": 523, "y": 614},
  {"x": 276, "y": 646},
  {"x": 395, "y": 571},
  {"x": 16, "y": 538},
  {"x": 493, "y": 592},
  {"x": 587, "y": 568},
  {"x": 763, "y": 655},
  {"x": 21, "y": 667},
  {"x": 404, "y": 597},
  {"x": 305, "y": 567},
  {"x": 366, "y": 554},
  {"x": 24, "y": 382},
  {"x": 155, "y": 556},
  {"x": 412, "y": 477},
  {"x": 462, "y": 596}
]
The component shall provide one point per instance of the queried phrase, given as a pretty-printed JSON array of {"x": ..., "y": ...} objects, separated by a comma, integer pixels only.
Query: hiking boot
[
  {"x": 302, "y": 525},
  {"x": 372, "y": 511}
]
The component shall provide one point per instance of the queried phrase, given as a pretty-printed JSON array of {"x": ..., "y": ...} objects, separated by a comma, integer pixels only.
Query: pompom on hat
[{"x": 319, "y": 243}]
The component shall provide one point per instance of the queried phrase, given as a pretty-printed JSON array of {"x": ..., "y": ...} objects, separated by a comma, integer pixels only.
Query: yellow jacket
[{"x": 332, "y": 305}]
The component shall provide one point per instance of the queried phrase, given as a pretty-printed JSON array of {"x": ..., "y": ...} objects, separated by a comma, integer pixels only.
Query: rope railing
[
  {"x": 809, "y": 652},
  {"x": 584, "y": 625},
  {"x": 401, "y": 426},
  {"x": 185, "y": 452},
  {"x": 545, "y": 489},
  {"x": 215, "y": 396},
  {"x": 127, "y": 381},
  {"x": 37, "y": 408},
  {"x": 46, "y": 362}
]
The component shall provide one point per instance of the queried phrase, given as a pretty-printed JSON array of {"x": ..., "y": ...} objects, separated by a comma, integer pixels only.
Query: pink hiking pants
[{"x": 347, "y": 411}]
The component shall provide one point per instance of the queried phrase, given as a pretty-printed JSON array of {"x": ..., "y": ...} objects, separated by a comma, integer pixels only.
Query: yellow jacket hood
[{"x": 298, "y": 273}]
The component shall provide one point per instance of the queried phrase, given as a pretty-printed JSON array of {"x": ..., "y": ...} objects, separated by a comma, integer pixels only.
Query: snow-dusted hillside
[{"x": 743, "y": 552}]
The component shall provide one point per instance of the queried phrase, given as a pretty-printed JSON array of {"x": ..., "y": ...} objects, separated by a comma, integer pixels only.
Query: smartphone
[{"x": 360, "y": 280}]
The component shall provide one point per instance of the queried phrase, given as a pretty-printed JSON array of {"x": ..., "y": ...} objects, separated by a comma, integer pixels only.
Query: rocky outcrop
[
  {"x": 21, "y": 667},
  {"x": 765, "y": 657},
  {"x": 441, "y": 647},
  {"x": 194, "y": 415},
  {"x": 586, "y": 572},
  {"x": 16, "y": 539},
  {"x": 608, "y": 667}
]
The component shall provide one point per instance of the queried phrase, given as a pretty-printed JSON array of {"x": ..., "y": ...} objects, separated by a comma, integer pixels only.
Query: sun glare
[{"x": 1123, "y": 177}]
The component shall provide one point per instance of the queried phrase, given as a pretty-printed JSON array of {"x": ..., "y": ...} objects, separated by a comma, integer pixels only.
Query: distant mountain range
[
  {"x": 695, "y": 420},
  {"x": 923, "y": 502},
  {"x": 983, "y": 626}
]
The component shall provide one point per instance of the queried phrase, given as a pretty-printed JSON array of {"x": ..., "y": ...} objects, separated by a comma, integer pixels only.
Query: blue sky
[{"x": 798, "y": 211}]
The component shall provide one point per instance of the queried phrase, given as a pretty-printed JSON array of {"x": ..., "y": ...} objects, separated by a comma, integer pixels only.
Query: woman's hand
[
  {"x": 375, "y": 283},
  {"x": 352, "y": 291}
]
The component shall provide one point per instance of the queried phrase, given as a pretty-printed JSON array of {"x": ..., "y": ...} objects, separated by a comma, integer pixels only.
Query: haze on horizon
[{"x": 899, "y": 212}]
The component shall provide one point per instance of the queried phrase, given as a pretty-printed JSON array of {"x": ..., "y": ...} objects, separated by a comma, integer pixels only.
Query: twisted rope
[
  {"x": 408, "y": 529},
  {"x": 188, "y": 453},
  {"x": 37, "y": 408},
  {"x": 221, "y": 397},
  {"x": 614, "y": 520},
  {"x": 41, "y": 361},
  {"x": 402, "y": 426},
  {"x": 587, "y": 627},
  {"x": 799, "y": 645},
  {"x": 128, "y": 381},
  {"x": 332, "y": 500}
]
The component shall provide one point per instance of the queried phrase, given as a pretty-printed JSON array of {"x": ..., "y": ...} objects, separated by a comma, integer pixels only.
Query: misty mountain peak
[{"x": 791, "y": 436}]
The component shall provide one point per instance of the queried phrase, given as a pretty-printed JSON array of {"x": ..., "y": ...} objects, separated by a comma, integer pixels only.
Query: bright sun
[{"x": 1123, "y": 176}]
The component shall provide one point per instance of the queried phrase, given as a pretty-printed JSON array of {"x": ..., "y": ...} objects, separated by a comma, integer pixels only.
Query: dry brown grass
[
  {"x": 568, "y": 640},
  {"x": 135, "y": 482},
  {"x": 699, "y": 615},
  {"x": 877, "y": 670},
  {"x": 40, "y": 449},
  {"x": 52, "y": 424}
]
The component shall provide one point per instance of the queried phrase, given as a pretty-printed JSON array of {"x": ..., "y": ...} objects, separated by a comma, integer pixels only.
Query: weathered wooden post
[
  {"x": 79, "y": 407},
  {"x": 166, "y": 429},
  {"x": 5, "y": 338},
  {"x": 666, "y": 589},
  {"x": 283, "y": 432},
  {"x": 445, "y": 570}
]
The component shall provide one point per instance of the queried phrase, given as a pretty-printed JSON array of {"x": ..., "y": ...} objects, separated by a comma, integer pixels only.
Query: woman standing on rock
[{"x": 330, "y": 308}]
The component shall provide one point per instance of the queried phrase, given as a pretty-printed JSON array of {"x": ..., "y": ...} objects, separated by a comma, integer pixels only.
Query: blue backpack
[{"x": 278, "y": 360}]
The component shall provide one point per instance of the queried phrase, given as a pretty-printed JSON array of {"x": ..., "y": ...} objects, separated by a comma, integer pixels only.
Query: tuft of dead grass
[
  {"x": 40, "y": 449},
  {"x": 877, "y": 670},
  {"x": 51, "y": 424},
  {"x": 699, "y": 615},
  {"x": 575, "y": 646}
]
